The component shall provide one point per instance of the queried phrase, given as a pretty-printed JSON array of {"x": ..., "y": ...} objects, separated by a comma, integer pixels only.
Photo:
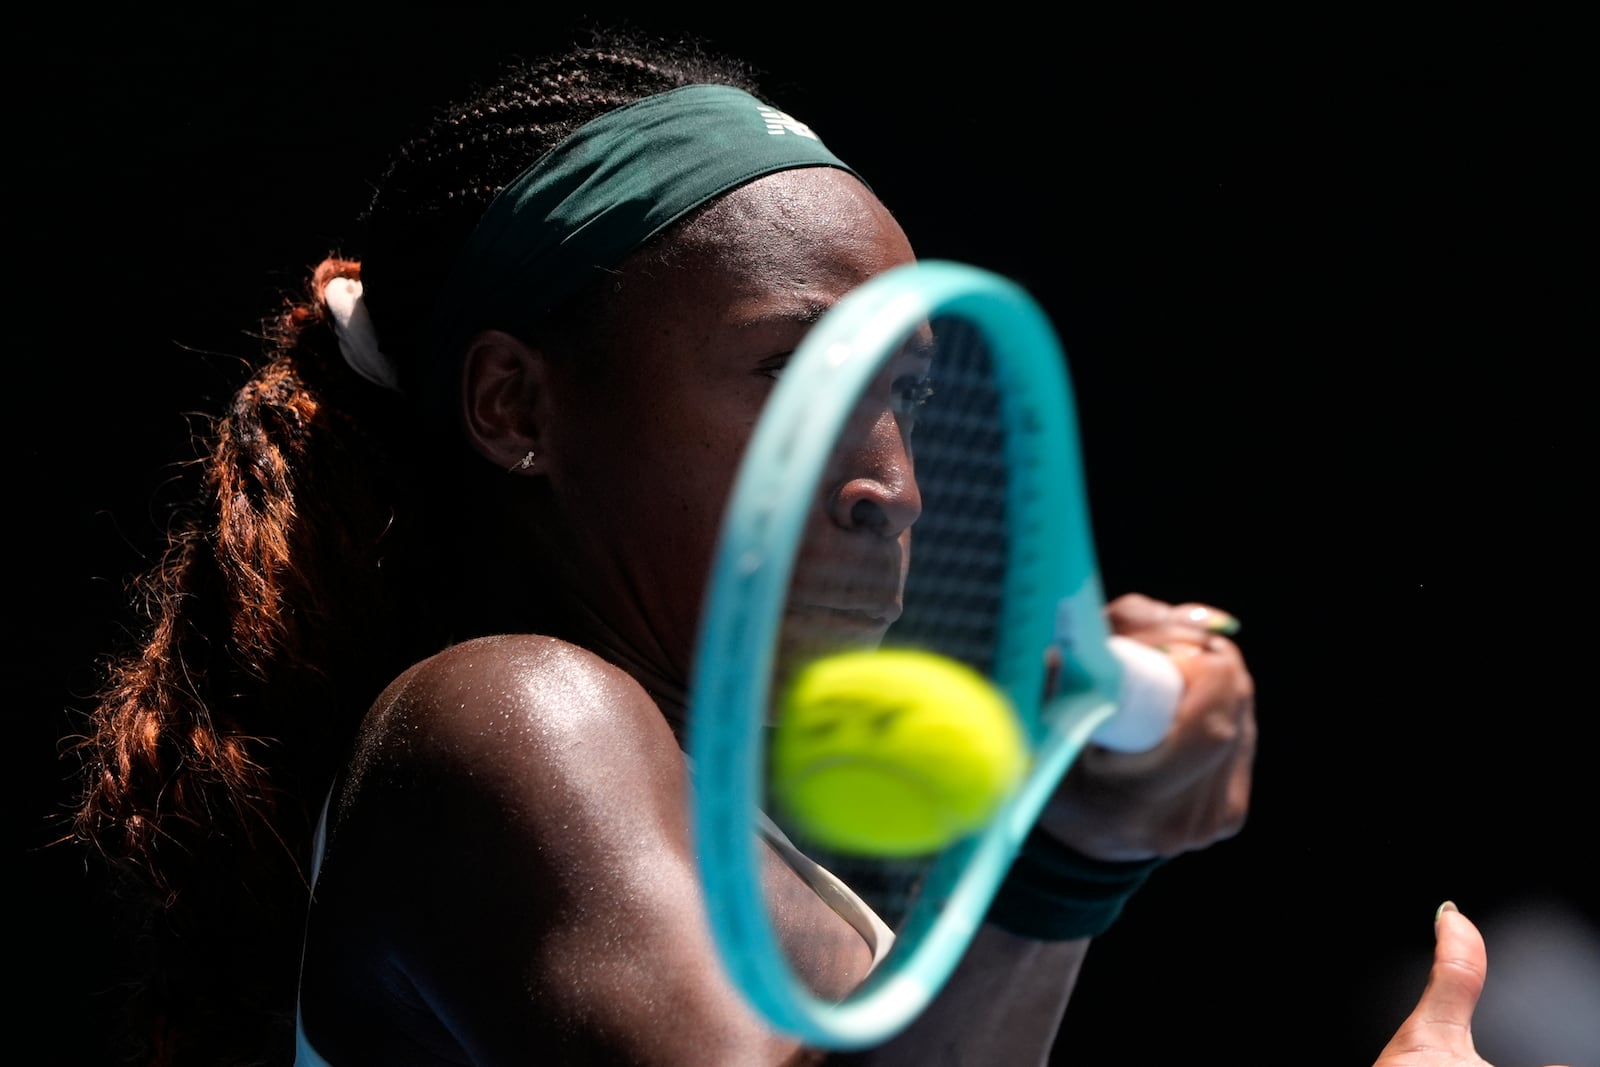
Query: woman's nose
[{"x": 876, "y": 485}]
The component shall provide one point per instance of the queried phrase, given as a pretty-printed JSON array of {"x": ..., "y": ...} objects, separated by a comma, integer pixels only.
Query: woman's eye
[{"x": 910, "y": 394}]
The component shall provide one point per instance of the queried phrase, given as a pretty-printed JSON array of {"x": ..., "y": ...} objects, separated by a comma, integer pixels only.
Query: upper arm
[{"x": 512, "y": 849}]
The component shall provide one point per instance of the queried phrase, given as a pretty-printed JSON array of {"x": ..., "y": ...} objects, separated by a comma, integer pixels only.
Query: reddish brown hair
[{"x": 315, "y": 565}]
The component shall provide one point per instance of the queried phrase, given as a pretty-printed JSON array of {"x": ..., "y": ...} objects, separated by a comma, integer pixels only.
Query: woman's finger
[
  {"x": 1456, "y": 979},
  {"x": 1137, "y": 614}
]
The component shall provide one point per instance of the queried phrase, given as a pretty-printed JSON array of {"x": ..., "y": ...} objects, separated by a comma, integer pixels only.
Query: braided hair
[{"x": 311, "y": 569}]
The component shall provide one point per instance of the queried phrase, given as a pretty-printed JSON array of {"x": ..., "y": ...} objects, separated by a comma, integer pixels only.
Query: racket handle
[{"x": 1151, "y": 688}]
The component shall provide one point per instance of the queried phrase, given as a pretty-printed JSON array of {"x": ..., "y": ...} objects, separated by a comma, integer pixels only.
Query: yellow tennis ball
[{"x": 893, "y": 752}]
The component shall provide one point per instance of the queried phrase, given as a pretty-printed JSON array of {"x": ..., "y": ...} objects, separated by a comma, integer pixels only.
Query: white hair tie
[{"x": 358, "y": 341}]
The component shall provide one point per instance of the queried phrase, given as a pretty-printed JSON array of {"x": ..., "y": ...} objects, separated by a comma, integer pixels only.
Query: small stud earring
[{"x": 522, "y": 464}]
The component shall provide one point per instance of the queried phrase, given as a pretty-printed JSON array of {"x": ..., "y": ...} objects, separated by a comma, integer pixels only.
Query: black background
[{"x": 1321, "y": 291}]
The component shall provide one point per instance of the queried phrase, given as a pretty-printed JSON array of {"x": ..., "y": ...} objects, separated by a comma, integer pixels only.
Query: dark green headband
[{"x": 608, "y": 188}]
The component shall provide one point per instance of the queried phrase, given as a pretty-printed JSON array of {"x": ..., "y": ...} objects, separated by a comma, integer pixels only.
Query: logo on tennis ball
[{"x": 893, "y": 752}]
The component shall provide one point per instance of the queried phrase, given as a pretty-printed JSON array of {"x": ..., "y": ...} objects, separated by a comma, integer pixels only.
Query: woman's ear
[{"x": 504, "y": 401}]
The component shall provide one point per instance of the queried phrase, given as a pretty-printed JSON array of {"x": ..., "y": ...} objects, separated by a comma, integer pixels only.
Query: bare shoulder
[
  {"x": 507, "y": 800},
  {"x": 504, "y": 754},
  {"x": 545, "y": 741},
  {"x": 510, "y": 704},
  {"x": 506, "y": 669}
]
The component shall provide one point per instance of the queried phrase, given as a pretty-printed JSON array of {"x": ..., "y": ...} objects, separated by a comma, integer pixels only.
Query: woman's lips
[
  {"x": 848, "y": 590},
  {"x": 816, "y": 629},
  {"x": 881, "y": 614}
]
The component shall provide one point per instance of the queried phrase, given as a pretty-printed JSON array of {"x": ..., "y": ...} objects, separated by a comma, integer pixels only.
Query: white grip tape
[{"x": 1151, "y": 688}]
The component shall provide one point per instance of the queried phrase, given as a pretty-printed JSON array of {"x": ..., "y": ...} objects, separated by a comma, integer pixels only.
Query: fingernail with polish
[
  {"x": 1223, "y": 623},
  {"x": 1213, "y": 620}
]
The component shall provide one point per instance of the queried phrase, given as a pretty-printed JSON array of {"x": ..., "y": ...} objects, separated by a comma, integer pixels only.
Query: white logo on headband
[{"x": 779, "y": 123}]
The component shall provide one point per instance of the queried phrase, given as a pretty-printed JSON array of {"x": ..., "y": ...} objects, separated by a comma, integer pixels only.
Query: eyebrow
[
  {"x": 920, "y": 344},
  {"x": 808, "y": 314}
]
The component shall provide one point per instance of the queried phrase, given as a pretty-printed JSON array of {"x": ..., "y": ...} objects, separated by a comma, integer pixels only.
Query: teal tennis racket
[{"x": 1002, "y": 576}]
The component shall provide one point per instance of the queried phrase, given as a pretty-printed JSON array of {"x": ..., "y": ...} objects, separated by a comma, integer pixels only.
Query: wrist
[{"x": 1053, "y": 892}]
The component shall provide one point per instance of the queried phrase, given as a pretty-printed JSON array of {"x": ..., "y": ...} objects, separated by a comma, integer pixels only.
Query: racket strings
[
  {"x": 954, "y": 588},
  {"x": 959, "y": 556}
]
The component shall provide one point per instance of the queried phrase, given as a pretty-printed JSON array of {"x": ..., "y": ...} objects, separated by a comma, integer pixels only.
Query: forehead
[
  {"x": 817, "y": 230},
  {"x": 752, "y": 269}
]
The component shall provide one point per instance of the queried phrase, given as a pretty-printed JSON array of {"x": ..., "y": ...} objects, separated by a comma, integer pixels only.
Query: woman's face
[{"x": 641, "y": 455}]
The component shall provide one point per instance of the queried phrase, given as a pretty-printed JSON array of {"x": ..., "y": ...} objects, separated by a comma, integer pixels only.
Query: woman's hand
[
  {"x": 1438, "y": 1032},
  {"x": 1193, "y": 789}
]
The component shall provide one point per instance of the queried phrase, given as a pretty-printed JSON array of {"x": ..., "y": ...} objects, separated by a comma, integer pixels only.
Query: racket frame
[{"x": 1052, "y": 595}]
